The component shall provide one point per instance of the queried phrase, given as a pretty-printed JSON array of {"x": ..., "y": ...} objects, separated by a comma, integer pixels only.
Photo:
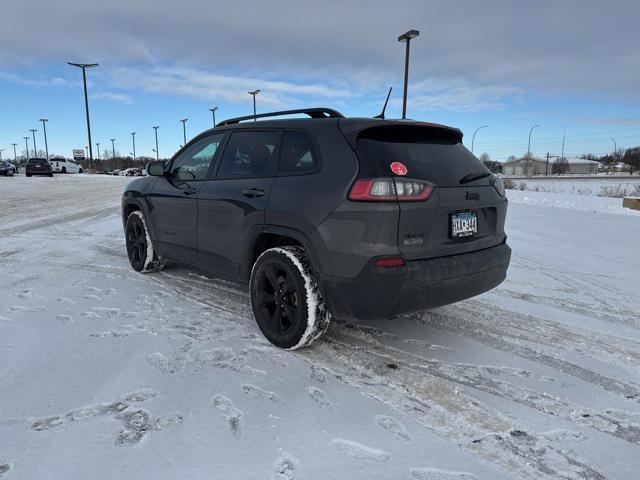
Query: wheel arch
[{"x": 270, "y": 236}]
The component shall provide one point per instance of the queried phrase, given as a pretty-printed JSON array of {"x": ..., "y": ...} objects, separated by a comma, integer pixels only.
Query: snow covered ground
[
  {"x": 597, "y": 185},
  {"x": 110, "y": 374}
]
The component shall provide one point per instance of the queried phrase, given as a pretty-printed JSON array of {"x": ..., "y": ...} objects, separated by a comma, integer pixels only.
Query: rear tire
[
  {"x": 142, "y": 256},
  {"x": 28, "y": 174},
  {"x": 286, "y": 300}
]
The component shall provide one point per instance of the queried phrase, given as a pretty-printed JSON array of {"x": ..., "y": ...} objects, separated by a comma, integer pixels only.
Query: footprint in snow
[
  {"x": 285, "y": 467},
  {"x": 257, "y": 392},
  {"x": 319, "y": 397},
  {"x": 65, "y": 319},
  {"x": 5, "y": 467},
  {"x": 230, "y": 411},
  {"x": 167, "y": 365},
  {"x": 93, "y": 289},
  {"x": 359, "y": 451},
  {"x": 138, "y": 422},
  {"x": 67, "y": 301},
  {"x": 93, "y": 297},
  {"x": 93, "y": 315},
  {"x": 394, "y": 427},
  {"x": 317, "y": 374},
  {"x": 437, "y": 474}
]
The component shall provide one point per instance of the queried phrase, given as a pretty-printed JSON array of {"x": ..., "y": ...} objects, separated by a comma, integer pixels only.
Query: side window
[
  {"x": 194, "y": 163},
  {"x": 248, "y": 154},
  {"x": 298, "y": 154}
]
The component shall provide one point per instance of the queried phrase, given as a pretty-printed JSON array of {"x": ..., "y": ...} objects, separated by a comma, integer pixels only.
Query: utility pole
[
  {"x": 98, "y": 145},
  {"x": 1, "y": 150},
  {"x": 474, "y": 136},
  {"x": 15, "y": 155},
  {"x": 564, "y": 135},
  {"x": 406, "y": 38},
  {"x": 133, "y": 138},
  {"x": 184, "y": 130},
  {"x": 84, "y": 67},
  {"x": 546, "y": 170},
  {"x": 157, "y": 154},
  {"x": 35, "y": 150},
  {"x": 254, "y": 93},
  {"x": 26, "y": 146},
  {"x": 113, "y": 151},
  {"x": 213, "y": 112},
  {"x": 44, "y": 128}
]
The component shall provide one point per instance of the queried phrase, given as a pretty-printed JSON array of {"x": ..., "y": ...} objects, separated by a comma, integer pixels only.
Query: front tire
[
  {"x": 142, "y": 256},
  {"x": 286, "y": 300}
]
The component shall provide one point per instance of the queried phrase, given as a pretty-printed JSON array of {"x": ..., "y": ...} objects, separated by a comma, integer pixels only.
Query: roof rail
[{"x": 320, "y": 112}]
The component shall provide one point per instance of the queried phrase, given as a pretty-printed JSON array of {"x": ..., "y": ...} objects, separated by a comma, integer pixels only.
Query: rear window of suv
[
  {"x": 426, "y": 153},
  {"x": 39, "y": 161}
]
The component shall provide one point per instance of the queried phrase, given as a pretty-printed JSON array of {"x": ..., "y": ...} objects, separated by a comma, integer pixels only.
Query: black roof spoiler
[{"x": 320, "y": 112}]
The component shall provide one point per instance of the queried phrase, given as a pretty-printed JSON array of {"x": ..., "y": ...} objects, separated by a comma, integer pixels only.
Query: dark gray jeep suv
[{"x": 351, "y": 217}]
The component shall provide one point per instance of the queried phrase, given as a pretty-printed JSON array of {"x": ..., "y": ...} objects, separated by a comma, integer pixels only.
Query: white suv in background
[{"x": 65, "y": 165}]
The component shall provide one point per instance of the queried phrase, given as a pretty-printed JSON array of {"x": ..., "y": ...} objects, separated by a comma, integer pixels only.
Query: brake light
[
  {"x": 389, "y": 262},
  {"x": 390, "y": 190}
]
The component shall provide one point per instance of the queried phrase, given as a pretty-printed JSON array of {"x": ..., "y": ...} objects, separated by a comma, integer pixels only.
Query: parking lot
[{"x": 106, "y": 371}]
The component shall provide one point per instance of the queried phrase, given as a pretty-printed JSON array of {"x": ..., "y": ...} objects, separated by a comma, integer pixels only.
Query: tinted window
[
  {"x": 298, "y": 154},
  {"x": 427, "y": 154},
  {"x": 40, "y": 161},
  {"x": 248, "y": 154},
  {"x": 193, "y": 164}
]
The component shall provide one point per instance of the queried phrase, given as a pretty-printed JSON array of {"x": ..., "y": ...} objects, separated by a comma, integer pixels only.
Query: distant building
[{"x": 538, "y": 166}]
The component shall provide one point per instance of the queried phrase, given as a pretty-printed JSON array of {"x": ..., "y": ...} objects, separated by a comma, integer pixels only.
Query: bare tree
[{"x": 560, "y": 166}]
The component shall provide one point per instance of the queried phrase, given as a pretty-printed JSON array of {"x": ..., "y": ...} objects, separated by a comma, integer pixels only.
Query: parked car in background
[
  {"x": 361, "y": 218},
  {"x": 38, "y": 166},
  {"x": 6, "y": 168},
  {"x": 65, "y": 165},
  {"x": 133, "y": 172}
]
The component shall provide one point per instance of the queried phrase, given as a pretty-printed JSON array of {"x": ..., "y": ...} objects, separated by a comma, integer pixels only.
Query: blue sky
[{"x": 472, "y": 65}]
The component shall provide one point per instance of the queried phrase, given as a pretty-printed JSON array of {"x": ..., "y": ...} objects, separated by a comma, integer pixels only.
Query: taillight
[
  {"x": 389, "y": 190},
  {"x": 389, "y": 262}
]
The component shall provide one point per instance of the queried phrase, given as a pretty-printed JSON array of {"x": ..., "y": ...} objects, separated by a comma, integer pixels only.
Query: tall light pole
[
  {"x": 184, "y": 130},
  {"x": 113, "y": 151},
  {"x": 15, "y": 155},
  {"x": 213, "y": 112},
  {"x": 254, "y": 93},
  {"x": 133, "y": 139},
  {"x": 564, "y": 136},
  {"x": 157, "y": 154},
  {"x": 26, "y": 146},
  {"x": 615, "y": 147},
  {"x": 98, "y": 145},
  {"x": 406, "y": 38},
  {"x": 44, "y": 129},
  {"x": 84, "y": 67},
  {"x": 1, "y": 150},
  {"x": 474, "y": 136},
  {"x": 529, "y": 147},
  {"x": 35, "y": 150}
]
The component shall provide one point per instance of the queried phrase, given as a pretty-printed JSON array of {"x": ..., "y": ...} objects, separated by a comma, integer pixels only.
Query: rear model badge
[{"x": 472, "y": 196}]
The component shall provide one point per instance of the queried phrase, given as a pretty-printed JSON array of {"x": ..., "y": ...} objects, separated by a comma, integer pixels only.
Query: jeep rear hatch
[{"x": 447, "y": 199}]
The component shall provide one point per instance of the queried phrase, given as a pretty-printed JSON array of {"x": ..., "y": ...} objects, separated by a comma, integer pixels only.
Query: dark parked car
[
  {"x": 6, "y": 168},
  {"x": 351, "y": 217},
  {"x": 38, "y": 166}
]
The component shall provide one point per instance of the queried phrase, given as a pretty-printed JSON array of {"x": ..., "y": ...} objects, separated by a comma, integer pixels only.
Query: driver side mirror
[{"x": 156, "y": 169}]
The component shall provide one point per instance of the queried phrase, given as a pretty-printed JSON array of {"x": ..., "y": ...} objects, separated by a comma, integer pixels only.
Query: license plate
[{"x": 464, "y": 224}]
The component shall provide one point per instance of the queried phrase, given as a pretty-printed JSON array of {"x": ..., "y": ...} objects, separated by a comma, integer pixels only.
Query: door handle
[
  {"x": 189, "y": 191},
  {"x": 253, "y": 192}
]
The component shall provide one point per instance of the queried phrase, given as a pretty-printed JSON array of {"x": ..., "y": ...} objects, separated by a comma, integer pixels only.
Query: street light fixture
[
  {"x": 44, "y": 128},
  {"x": 184, "y": 129},
  {"x": 474, "y": 136},
  {"x": 529, "y": 147},
  {"x": 213, "y": 112},
  {"x": 84, "y": 67},
  {"x": 254, "y": 93},
  {"x": 35, "y": 150},
  {"x": 406, "y": 38},
  {"x": 157, "y": 154}
]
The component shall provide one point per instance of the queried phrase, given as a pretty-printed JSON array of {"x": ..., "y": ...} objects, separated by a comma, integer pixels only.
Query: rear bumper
[{"x": 420, "y": 285}]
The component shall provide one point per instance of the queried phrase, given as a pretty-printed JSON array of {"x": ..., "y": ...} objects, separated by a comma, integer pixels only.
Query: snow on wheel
[
  {"x": 142, "y": 256},
  {"x": 286, "y": 300}
]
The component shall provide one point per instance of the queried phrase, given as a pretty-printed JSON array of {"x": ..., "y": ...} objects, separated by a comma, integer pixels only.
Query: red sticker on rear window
[{"x": 399, "y": 168}]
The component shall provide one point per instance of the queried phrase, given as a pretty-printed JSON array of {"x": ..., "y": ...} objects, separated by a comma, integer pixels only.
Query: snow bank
[{"x": 570, "y": 201}]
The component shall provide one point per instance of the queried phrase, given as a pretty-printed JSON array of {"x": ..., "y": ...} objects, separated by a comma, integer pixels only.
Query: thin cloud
[
  {"x": 115, "y": 97},
  {"x": 36, "y": 82}
]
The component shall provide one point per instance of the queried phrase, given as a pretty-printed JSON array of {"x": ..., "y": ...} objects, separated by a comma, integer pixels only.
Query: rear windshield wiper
[{"x": 470, "y": 177}]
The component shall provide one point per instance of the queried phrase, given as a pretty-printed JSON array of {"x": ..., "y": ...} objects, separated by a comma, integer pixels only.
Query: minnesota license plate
[{"x": 464, "y": 224}]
